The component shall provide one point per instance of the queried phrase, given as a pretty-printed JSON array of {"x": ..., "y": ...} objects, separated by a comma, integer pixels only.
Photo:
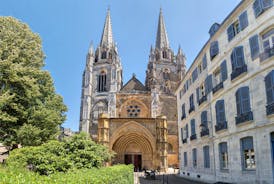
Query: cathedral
[{"x": 137, "y": 121}]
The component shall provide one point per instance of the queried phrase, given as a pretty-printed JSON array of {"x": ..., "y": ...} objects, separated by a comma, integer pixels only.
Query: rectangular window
[
  {"x": 217, "y": 77},
  {"x": 220, "y": 111},
  {"x": 206, "y": 157},
  {"x": 243, "y": 20},
  {"x": 194, "y": 74},
  {"x": 183, "y": 112},
  {"x": 208, "y": 84},
  {"x": 193, "y": 131},
  {"x": 185, "y": 159},
  {"x": 248, "y": 154},
  {"x": 194, "y": 157},
  {"x": 191, "y": 101},
  {"x": 182, "y": 135},
  {"x": 254, "y": 46},
  {"x": 223, "y": 70},
  {"x": 242, "y": 100},
  {"x": 259, "y": 6},
  {"x": 214, "y": 49},
  {"x": 204, "y": 62},
  {"x": 223, "y": 155}
]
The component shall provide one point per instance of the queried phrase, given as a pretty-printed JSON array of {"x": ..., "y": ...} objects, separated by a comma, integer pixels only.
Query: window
[
  {"x": 208, "y": 84},
  {"x": 166, "y": 74},
  {"x": 217, "y": 77},
  {"x": 237, "y": 26},
  {"x": 214, "y": 49},
  {"x": 186, "y": 131},
  {"x": 220, "y": 111},
  {"x": 206, "y": 157},
  {"x": 104, "y": 55},
  {"x": 200, "y": 69},
  {"x": 133, "y": 111},
  {"x": 191, "y": 103},
  {"x": 193, "y": 131},
  {"x": 268, "y": 39},
  {"x": 248, "y": 154},
  {"x": 182, "y": 135},
  {"x": 259, "y": 6},
  {"x": 194, "y": 74},
  {"x": 102, "y": 82},
  {"x": 204, "y": 120},
  {"x": 194, "y": 157},
  {"x": 269, "y": 87},
  {"x": 238, "y": 62},
  {"x": 242, "y": 100},
  {"x": 223, "y": 154},
  {"x": 223, "y": 70},
  {"x": 164, "y": 54},
  {"x": 204, "y": 62},
  {"x": 185, "y": 159},
  {"x": 183, "y": 112},
  {"x": 254, "y": 46},
  {"x": 213, "y": 29}
]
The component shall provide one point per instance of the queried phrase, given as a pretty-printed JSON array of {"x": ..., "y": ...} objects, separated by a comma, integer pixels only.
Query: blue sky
[{"x": 67, "y": 27}]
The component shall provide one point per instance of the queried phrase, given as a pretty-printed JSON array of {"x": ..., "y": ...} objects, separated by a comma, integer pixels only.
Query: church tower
[{"x": 102, "y": 79}]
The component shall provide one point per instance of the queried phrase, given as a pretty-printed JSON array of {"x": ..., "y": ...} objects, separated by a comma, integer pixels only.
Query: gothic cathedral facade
[{"x": 137, "y": 121}]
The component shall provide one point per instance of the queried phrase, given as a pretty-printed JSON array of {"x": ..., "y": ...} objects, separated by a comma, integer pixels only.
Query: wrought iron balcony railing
[
  {"x": 204, "y": 132},
  {"x": 238, "y": 71},
  {"x": 221, "y": 126},
  {"x": 192, "y": 108},
  {"x": 218, "y": 87},
  {"x": 270, "y": 109},
  {"x": 266, "y": 54},
  {"x": 241, "y": 118},
  {"x": 203, "y": 99},
  {"x": 192, "y": 137}
]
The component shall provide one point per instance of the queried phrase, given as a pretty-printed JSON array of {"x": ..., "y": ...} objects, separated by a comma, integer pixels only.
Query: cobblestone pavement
[{"x": 163, "y": 179}]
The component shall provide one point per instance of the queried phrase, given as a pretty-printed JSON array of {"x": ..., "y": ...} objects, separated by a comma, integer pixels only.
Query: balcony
[
  {"x": 192, "y": 137},
  {"x": 238, "y": 71},
  {"x": 218, "y": 87},
  {"x": 241, "y": 118},
  {"x": 270, "y": 109},
  {"x": 184, "y": 140},
  {"x": 192, "y": 108},
  {"x": 204, "y": 132},
  {"x": 221, "y": 126},
  {"x": 266, "y": 54},
  {"x": 183, "y": 116},
  {"x": 203, "y": 99}
]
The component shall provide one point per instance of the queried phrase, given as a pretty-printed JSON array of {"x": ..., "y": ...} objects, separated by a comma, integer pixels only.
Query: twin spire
[{"x": 161, "y": 39}]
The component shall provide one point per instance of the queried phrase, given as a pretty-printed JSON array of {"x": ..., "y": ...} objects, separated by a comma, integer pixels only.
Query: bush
[
  {"x": 119, "y": 174},
  {"x": 75, "y": 153}
]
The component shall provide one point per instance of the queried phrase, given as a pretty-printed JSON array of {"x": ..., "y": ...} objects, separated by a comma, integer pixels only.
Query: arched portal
[{"x": 135, "y": 145}]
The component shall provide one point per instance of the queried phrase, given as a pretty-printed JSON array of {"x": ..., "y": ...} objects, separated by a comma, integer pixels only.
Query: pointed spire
[
  {"x": 180, "y": 52},
  {"x": 90, "y": 50},
  {"x": 162, "y": 39},
  {"x": 107, "y": 37}
]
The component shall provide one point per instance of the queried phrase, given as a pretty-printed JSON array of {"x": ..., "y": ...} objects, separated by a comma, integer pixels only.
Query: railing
[
  {"x": 218, "y": 87},
  {"x": 241, "y": 118},
  {"x": 270, "y": 109},
  {"x": 238, "y": 71},
  {"x": 203, "y": 99},
  {"x": 192, "y": 108},
  {"x": 204, "y": 132},
  {"x": 185, "y": 140},
  {"x": 266, "y": 54},
  {"x": 192, "y": 137},
  {"x": 221, "y": 126},
  {"x": 183, "y": 116}
]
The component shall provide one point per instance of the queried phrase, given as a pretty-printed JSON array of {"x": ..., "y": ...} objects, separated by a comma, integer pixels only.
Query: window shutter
[
  {"x": 183, "y": 110},
  {"x": 224, "y": 70},
  {"x": 230, "y": 32},
  {"x": 193, "y": 127},
  {"x": 243, "y": 20},
  {"x": 254, "y": 46},
  {"x": 220, "y": 111},
  {"x": 204, "y": 62},
  {"x": 245, "y": 102},
  {"x": 223, "y": 147},
  {"x": 182, "y": 134},
  {"x": 233, "y": 60},
  {"x": 239, "y": 53},
  {"x": 204, "y": 118},
  {"x": 197, "y": 94},
  {"x": 206, "y": 157},
  {"x": 269, "y": 86},
  {"x": 208, "y": 84},
  {"x": 186, "y": 130},
  {"x": 214, "y": 49},
  {"x": 194, "y": 74},
  {"x": 247, "y": 143},
  {"x": 266, "y": 4},
  {"x": 257, "y": 7}
]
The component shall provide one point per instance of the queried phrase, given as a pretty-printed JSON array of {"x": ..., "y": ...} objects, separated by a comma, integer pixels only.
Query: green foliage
[
  {"x": 27, "y": 94},
  {"x": 75, "y": 153},
  {"x": 119, "y": 174}
]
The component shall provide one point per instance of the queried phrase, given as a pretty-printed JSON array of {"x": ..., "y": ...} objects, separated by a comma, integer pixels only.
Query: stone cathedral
[{"x": 135, "y": 120}]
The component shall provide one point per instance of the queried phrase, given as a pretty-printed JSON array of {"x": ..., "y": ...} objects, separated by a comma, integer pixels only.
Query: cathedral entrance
[{"x": 135, "y": 159}]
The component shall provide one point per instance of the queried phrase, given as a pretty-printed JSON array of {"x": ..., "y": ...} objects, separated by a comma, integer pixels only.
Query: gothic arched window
[
  {"x": 164, "y": 54},
  {"x": 104, "y": 55},
  {"x": 102, "y": 81}
]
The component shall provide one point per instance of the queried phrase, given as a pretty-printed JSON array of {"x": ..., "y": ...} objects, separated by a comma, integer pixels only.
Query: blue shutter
[
  {"x": 220, "y": 111},
  {"x": 194, "y": 74},
  {"x": 204, "y": 62},
  {"x": 269, "y": 86},
  {"x": 257, "y": 7},
  {"x": 208, "y": 84},
  {"x": 266, "y": 4},
  {"x": 194, "y": 157},
  {"x": 183, "y": 110},
  {"x": 193, "y": 127},
  {"x": 245, "y": 101},
  {"x": 230, "y": 32},
  {"x": 224, "y": 70},
  {"x": 214, "y": 49},
  {"x": 197, "y": 94},
  {"x": 247, "y": 143},
  {"x": 254, "y": 46},
  {"x": 182, "y": 134},
  {"x": 233, "y": 60},
  {"x": 186, "y": 130},
  {"x": 204, "y": 118},
  {"x": 206, "y": 157},
  {"x": 238, "y": 102},
  {"x": 185, "y": 158},
  {"x": 243, "y": 20},
  {"x": 239, "y": 55}
]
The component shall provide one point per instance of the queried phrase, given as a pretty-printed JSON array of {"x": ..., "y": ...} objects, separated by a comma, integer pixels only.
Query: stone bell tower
[{"x": 102, "y": 78}]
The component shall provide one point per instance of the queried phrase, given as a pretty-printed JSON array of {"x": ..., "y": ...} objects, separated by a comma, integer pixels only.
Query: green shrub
[
  {"x": 119, "y": 174},
  {"x": 75, "y": 153}
]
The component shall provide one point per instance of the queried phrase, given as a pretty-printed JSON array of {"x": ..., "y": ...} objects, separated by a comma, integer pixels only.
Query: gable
[{"x": 133, "y": 85}]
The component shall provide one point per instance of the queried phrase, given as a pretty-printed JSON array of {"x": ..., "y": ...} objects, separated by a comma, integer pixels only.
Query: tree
[{"x": 28, "y": 101}]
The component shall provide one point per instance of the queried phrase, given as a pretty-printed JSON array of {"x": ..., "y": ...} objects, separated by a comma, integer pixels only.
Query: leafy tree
[{"x": 29, "y": 107}]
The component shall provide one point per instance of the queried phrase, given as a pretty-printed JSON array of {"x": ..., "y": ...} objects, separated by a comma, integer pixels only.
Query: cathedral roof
[
  {"x": 107, "y": 37},
  {"x": 162, "y": 39},
  {"x": 133, "y": 85}
]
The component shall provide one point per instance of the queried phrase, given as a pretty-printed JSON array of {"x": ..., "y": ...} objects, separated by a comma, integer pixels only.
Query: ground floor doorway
[{"x": 135, "y": 159}]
